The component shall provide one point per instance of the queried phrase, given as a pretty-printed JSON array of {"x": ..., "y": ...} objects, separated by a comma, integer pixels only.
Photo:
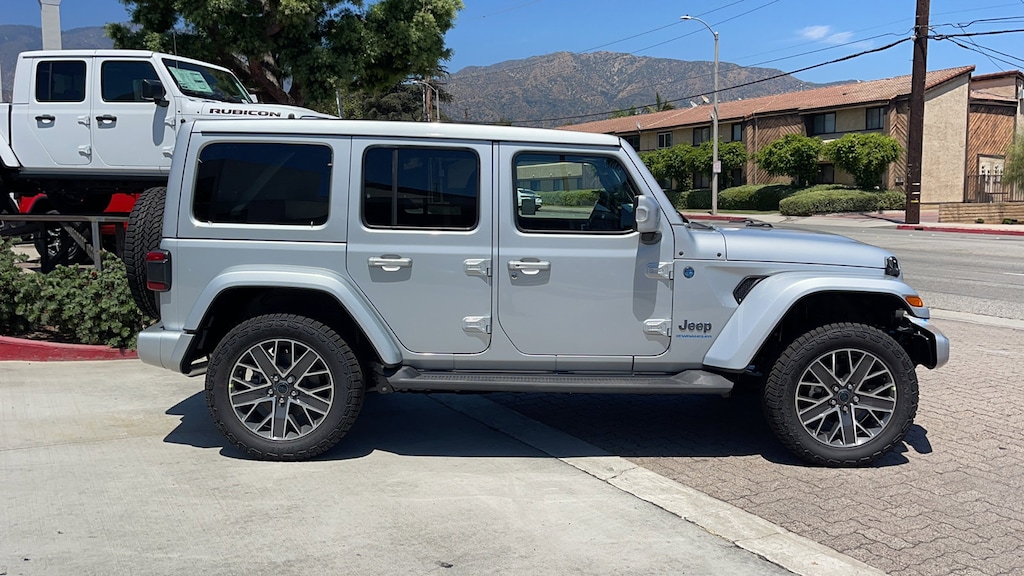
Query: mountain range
[{"x": 549, "y": 90}]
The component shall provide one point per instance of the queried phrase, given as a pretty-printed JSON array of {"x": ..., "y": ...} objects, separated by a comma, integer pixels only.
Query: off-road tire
[
  {"x": 59, "y": 248},
  {"x": 844, "y": 340},
  {"x": 145, "y": 228},
  {"x": 231, "y": 363}
]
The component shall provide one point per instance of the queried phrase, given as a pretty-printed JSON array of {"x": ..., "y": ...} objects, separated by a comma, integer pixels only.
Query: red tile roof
[{"x": 858, "y": 93}]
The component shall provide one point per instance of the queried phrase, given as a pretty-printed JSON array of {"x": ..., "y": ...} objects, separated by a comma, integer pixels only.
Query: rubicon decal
[{"x": 244, "y": 112}]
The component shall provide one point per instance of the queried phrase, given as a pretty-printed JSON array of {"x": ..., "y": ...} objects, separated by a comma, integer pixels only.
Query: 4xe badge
[{"x": 688, "y": 329}]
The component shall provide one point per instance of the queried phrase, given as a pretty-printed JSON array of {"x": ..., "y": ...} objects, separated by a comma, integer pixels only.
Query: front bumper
[
  {"x": 165, "y": 348},
  {"x": 937, "y": 341}
]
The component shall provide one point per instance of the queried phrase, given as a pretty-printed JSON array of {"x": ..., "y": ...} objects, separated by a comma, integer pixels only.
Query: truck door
[
  {"x": 127, "y": 130},
  {"x": 419, "y": 240},
  {"x": 574, "y": 278},
  {"x": 51, "y": 129}
]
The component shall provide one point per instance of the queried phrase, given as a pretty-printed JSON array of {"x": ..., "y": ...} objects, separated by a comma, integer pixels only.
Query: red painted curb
[
  {"x": 960, "y": 230},
  {"x": 35, "y": 351}
]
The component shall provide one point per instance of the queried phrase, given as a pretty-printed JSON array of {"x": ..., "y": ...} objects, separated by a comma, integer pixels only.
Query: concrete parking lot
[
  {"x": 950, "y": 501},
  {"x": 115, "y": 468}
]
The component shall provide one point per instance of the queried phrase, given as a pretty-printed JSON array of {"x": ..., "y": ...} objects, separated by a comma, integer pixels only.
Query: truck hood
[
  {"x": 209, "y": 109},
  {"x": 791, "y": 246}
]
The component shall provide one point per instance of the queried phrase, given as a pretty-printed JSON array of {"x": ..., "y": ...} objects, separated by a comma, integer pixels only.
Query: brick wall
[{"x": 990, "y": 213}]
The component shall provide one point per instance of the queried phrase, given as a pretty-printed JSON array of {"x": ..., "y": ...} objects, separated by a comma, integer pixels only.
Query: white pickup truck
[{"x": 84, "y": 124}]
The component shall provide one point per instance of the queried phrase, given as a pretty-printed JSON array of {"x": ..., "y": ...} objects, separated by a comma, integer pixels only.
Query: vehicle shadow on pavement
[{"x": 629, "y": 426}]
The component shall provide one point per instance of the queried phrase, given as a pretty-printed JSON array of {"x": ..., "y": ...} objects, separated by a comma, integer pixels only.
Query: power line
[{"x": 726, "y": 89}]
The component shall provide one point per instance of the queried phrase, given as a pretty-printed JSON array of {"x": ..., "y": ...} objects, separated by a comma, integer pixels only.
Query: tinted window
[
  {"x": 421, "y": 188},
  {"x": 584, "y": 194},
  {"x": 62, "y": 81},
  {"x": 263, "y": 183},
  {"x": 122, "y": 81}
]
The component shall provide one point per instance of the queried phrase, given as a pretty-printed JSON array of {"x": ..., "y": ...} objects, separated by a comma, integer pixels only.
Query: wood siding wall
[
  {"x": 899, "y": 127},
  {"x": 762, "y": 131},
  {"x": 989, "y": 132}
]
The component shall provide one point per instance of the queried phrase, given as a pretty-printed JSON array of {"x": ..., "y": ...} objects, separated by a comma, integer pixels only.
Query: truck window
[
  {"x": 263, "y": 183},
  {"x": 205, "y": 82},
  {"x": 581, "y": 194},
  {"x": 122, "y": 81},
  {"x": 421, "y": 188},
  {"x": 60, "y": 81}
]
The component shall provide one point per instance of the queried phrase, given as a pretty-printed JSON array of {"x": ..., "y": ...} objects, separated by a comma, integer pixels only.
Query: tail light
[{"x": 158, "y": 271}]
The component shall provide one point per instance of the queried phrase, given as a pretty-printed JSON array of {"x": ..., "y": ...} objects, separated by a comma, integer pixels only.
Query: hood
[
  {"x": 791, "y": 246},
  {"x": 209, "y": 109}
]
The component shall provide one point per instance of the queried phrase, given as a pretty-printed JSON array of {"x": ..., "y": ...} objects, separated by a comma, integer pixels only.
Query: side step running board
[{"x": 688, "y": 382}]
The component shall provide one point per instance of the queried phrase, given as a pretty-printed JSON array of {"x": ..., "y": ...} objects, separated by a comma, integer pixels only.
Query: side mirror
[
  {"x": 153, "y": 91},
  {"x": 647, "y": 214}
]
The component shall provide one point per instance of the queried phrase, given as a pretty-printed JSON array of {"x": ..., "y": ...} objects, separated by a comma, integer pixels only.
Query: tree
[
  {"x": 732, "y": 155},
  {"x": 401, "y": 103},
  {"x": 675, "y": 163},
  {"x": 299, "y": 52},
  {"x": 793, "y": 155},
  {"x": 659, "y": 105},
  {"x": 1013, "y": 172},
  {"x": 864, "y": 156}
]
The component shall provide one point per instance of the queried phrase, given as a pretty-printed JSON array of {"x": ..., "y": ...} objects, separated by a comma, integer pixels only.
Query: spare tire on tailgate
[{"x": 145, "y": 228}]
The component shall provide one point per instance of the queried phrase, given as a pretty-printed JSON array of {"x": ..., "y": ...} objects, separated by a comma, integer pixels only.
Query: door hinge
[
  {"x": 478, "y": 267},
  {"x": 477, "y": 324},
  {"x": 658, "y": 327},
  {"x": 85, "y": 150},
  {"x": 168, "y": 151},
  {"x": 169, "y": 121},
  {"x": 84, "y": 120},
  {"x": 660, "y": 270}
]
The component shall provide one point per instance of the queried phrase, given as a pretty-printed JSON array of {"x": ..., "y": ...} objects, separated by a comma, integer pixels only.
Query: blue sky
[{"x": 784, "y": 34}]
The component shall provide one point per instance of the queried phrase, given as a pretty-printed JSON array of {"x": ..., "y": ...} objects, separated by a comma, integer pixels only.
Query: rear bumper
[
  {"x": 165, "y": 348},
  {"x": 936, "y": 339}
]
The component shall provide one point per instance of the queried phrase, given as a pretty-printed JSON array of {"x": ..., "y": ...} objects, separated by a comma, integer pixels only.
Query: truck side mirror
[
  {"x": 647, "y": 214},
  {"x": 153, "y": 91}
]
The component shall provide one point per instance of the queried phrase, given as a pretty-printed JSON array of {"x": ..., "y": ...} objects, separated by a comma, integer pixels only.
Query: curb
[
  {"x": 997, "y": 232},
  {"x": 20, "y": 349}
]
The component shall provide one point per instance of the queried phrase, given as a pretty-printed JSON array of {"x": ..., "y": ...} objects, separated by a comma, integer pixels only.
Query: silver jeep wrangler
[{"x": 302, "y": 263}]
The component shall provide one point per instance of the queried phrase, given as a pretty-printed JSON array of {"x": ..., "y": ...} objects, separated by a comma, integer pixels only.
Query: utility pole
[
  {"x": 50, "y": 14},
  {"x": 915, "y": 128}
]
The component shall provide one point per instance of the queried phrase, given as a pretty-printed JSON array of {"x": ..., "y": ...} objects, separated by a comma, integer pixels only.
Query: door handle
[
  {"x": 45, "y": 118},
  {"x": 390, "y": 264},
  {"x": 106, "y": 118},
  {"x": 529, "y": 267}
]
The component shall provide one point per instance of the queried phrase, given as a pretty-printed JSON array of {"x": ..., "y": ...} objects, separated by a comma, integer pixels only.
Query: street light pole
[{"x": 716, "y": 165}]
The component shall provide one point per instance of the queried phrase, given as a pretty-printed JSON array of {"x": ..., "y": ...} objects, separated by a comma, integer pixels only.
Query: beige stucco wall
[{"x": 945, "y": 142}]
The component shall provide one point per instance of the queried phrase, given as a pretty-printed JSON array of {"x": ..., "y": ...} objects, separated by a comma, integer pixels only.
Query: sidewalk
[{"x": 887, "y": 219}]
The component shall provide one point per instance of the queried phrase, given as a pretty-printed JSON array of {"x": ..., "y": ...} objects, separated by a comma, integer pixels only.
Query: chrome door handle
[
  {"x": 106, "y": 118},
  {"x": 390, "y": 264},
  {"x": 528, "y": 267}
]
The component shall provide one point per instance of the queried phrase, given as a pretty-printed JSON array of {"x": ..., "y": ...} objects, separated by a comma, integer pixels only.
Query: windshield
[{"x": 204, "y": 82}]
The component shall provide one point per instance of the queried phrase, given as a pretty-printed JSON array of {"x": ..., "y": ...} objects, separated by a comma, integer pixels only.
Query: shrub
[
  {"x": 793, "y": 155},
  {"x": 82, "y": 305},
  {"x": 864, "y": 156},
  {"x": 12, "y": 281},
  {"x": 758, "y": 197},
  {"x": 820, "y": 200}
]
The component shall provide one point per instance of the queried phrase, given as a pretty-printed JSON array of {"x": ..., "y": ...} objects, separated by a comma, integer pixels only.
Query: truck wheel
[
  {"x": 60, "y": 248},
  {"x": 145, "y": 228},
  {"x": 283, "y": 387},
  {"x": 842, "y": 395}
]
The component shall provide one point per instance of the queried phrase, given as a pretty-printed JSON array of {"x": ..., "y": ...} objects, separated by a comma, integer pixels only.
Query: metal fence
[{"x": 991, "y": 188}]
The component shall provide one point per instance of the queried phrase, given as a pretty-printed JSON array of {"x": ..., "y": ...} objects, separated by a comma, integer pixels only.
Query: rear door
[
  {"x": 51, "y": 129},
  {"x": 127, "y": 130},
  {"x": 420, "y": 237}
]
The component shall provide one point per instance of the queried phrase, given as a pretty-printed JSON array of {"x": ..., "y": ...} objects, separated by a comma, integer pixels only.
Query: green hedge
[
  {"x": 828, "y": 201},
  {"x": 569, "y": 198},
  {"x": 71, "y": 304}
]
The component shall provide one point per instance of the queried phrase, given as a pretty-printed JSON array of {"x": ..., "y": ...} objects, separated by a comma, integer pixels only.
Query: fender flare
[
  {"x": 340, "y": 288},
  {"x": 769, "y": 302}
]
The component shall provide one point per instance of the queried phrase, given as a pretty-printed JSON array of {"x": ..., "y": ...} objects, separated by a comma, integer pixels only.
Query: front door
[
  {"x": 129, "y": 131},
  {"x": 52, "y": 130},
  {"x": 574, "y": 278},
  {"x": 419, "y": 240}
]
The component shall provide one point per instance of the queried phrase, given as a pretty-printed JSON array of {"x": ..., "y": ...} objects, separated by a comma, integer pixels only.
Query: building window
[
  {"x": 633, "y": 141},
  {"x": 875, "y": 118},
  {"x": 826, "y": 174},
  {"x": 263, "y": 183},
  {"x": 736, "y": 177},
  {"x": 823, "y": 123},
  {"x": 60, "y": 81},
  {"x": 701, "y": 135},
  {"x": 664, "y": 140},
  {"x": 701, "y": 180},
  {"x": 737, "y": 132},
  {"x": 421, "y": 188}
]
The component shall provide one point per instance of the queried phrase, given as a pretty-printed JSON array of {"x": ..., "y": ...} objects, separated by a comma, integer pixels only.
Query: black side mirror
[{"x": 153, "y": 91}]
